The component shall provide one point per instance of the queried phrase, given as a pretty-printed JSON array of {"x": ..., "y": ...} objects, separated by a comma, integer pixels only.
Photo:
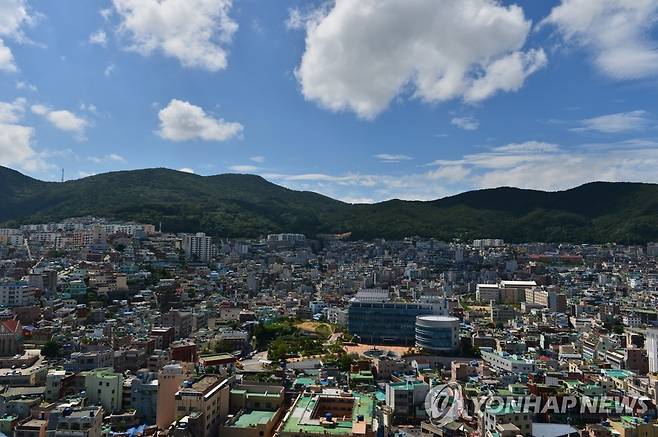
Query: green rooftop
[
  {"x": 305, "y": 381},
  {"x": 253, "y": 419},
  {"x": 300, "y": 417},
  {"x": 617, "y": 373}
]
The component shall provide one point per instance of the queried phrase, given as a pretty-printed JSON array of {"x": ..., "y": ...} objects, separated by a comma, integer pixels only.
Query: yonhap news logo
[{"x": 445, "y": 403}]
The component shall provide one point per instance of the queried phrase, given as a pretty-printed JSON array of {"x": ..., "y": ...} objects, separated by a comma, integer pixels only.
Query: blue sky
[{"x": 362, "y": 100}]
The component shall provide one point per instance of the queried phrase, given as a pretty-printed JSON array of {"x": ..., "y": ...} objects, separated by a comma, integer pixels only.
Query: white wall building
[
  {"x": 16, "y": 294},
  {"x": 198, "y": 247},
  {"x": 506, "y": 362}
]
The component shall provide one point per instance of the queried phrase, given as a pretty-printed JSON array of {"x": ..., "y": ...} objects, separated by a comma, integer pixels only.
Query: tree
[{"x": 51, "y": 349}]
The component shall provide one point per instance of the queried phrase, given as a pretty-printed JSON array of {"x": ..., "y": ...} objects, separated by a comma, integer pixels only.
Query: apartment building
[
  {"x": 16, "y": 294},
  {"x": 208, "y": 397},
  {"x": 198, "y": 247},
  {"x": 79, "y": 422},
  {"x": 104, "y": 387},
  {"x": 506, "y": 362}
]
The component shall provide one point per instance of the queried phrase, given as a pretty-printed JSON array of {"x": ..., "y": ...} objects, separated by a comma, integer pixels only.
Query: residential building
[
  {"x": 104, "y": 387},
  {"x": 198, "y": 247},
  {"x": 209, "y": 397}
]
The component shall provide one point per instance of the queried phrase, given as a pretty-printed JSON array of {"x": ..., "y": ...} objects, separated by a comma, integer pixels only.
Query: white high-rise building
[
  {"x": 198, "y": 247},
  {"x": 16, "y": 294},
  {"x": 651, "y": 344}
]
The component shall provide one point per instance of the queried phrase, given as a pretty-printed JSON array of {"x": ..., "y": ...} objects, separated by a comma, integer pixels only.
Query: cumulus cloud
[
  {"x": 258, "y": 158},
  {"x": 186, "y": 170},
  {"x": 6, "y": 58},
  {"x": 615, "y": 123},
  {"x": 14, "y": 15},
  {"x": 361, "y": 54},
  {"x": 16, "y": 139},
  {"x": 388, "y": 157},
  {"x": 63, "y": 120},
  {"x": 12, "y": 112},
  {"x": 183, "y": 121},
  {"x": 195, "y": 32},
  {"x": 617, "y": 33},
  {"x": 466, "y": 123}
]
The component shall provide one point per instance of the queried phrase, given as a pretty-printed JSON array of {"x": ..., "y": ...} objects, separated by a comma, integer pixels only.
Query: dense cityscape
[
  {"x": 329, "y": 218},
  {"x": 112, "y": 329}
]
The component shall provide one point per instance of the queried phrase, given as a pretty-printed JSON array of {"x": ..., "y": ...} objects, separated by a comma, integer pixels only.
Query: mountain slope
[{"x": 247, "y": 205}]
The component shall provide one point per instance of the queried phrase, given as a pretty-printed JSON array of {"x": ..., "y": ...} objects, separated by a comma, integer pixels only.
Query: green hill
[{"x": 246, "y": 205}]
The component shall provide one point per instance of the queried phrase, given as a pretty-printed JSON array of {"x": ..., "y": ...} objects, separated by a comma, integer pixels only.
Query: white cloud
[
  {"x": 259, "y": 159},
  {"x": 532, "y": 164},
  {"x": 615, "y": 123},
  {"x": 195, "y": 32},
  {"x": 112, "y": 157},
  {"x": 618, "y": 34},
  {"x": 186, "y": 170},
  {"x": 106, "y": 13},
  {"x": 16, "y": 140},
  {"x": 21, "y": 85},
  {"x": 89, "y": 107},
  {"x": 109, "y": 70},
  {"x": 14, "y": 16},
  {"x": 183, "y": 121},
  {"x": 366, "y": 188},
  {"x": 450, "y": 173},
  {"x": 388, "y": 157},
  {"x": 115, "y": 157},
  {"x": 99, "y": 38},
  {"x": 547, "y": 166},
  {"x": 528, "y": 147},
  {"x": 39, "y": 109},
  {"x": 243, "y": 168},
  {"x": 16, "y": 148},
  {"x": 466, "y": 123},
  {"x": 355, "y": 200},
  {"x": 506, "y": 74},
  {"x": 6, "y": 58},
  {"x": 295, "y": 20},
  {"x": 361, "y": 54},
  {"x": 12, "y": 112},
  {"x": 63, "y": 120}
]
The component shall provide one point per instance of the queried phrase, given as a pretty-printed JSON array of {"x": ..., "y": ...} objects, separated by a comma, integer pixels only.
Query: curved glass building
[{"x": 437, "y": 333}]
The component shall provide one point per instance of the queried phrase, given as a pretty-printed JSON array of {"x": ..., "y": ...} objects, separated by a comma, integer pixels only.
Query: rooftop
[
  {"x": 301, "y": 417},
  {"x": 253, "y": 418}
]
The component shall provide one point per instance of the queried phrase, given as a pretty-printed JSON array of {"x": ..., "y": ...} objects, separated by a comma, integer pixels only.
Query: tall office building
[
  {"x": 198, "y": 247},
  {"x": 388, "y": 322}
]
